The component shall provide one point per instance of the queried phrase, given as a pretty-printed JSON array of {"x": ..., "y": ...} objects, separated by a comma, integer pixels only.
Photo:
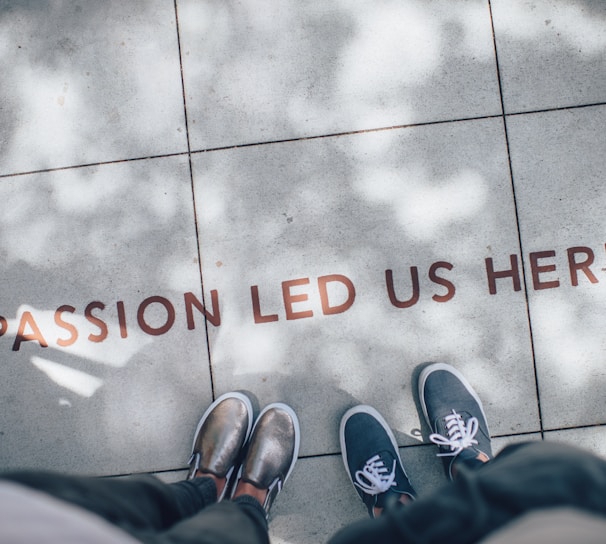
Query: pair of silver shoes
[{"x": 228, "y": 445}]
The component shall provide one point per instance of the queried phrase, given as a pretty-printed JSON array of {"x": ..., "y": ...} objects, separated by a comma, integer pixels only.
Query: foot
[
  {"x": 219, "y": 439},
  {"x": 371, "y": 458},
  {"x": 271, "y": 455},
  {"x": 454, "y": 413}
]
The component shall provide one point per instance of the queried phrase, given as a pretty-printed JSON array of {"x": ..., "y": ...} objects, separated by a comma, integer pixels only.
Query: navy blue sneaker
[
  {"x": 371, "y": 458},
  {"x": 454, "y": 413}
]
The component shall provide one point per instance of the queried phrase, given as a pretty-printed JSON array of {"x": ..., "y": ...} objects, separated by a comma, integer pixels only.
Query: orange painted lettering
[
  {"x": 28, "y": 319},
  {"x": 191, "y": 300},
  {"x": 538, "y": 269},
  {"x": 290, "y": 299},
  {"x": 88, "y": 313},
  {"x": 65, "y": 325},
  {"x": 259, "y": 318},
  {"x": 327, "y": 309},
  {"x": 170, "y": 316},
  {"x": 414, "y": 276}
]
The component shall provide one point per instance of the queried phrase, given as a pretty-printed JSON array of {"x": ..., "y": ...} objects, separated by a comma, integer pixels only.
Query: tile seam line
[
  {"x": 90, "y": 164},
  {"x": 339, "y": 454},
  {"x": 574, "y": 427},
  {"x": 237, "y": 146},
  {"x": 303, "y": 138},
  {"x": 559, "y": 108},
  {"x": 517, "y": 218},
  {"x": 345, "y": 133},
  {"x": 250, "y": 144},
  {"x": 395, "y": 127},
  {"x": 432, "y": 445},
  {"x": 494, "y": 436},
  {"x": 193, "y": 195}
]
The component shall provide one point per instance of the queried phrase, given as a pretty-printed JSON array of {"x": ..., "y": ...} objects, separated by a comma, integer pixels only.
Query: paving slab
[
  {"x": 84, "y": 83},
  {"x": 552, "y": 54},
  {"x": 333, "y": 267},
  {"x": 558, "y": 166},
  {"x": 297, "y": 241},
  {"x": 100, "y": 372},
  {"x": 589, "y": 438},
  {"x": 255, "y": 72}
]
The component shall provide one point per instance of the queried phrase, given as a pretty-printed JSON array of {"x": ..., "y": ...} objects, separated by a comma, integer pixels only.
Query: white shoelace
[
  {"x": 460, "y": 434},
  {"x": 375, "y": 477}
]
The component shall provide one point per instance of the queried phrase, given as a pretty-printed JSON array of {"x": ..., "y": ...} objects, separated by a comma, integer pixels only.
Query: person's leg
[
  {"x": 454, "y": 413},
  {"x": 456, "y": 418},
  {"x": 372, "y": 461},
  {"x": 239, "y": 521},
  {"x": 270, "y": 458},
  {"x": 522, "y": 478},
  {"x": 483, "y": 496},
  {"x": 144, "y": 505},
  {"x": 140, "y": 503},
  {"x": 219, "y": 440}
]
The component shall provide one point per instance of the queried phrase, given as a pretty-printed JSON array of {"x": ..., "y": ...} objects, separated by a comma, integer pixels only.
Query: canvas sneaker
[
  {"x": 455, "y": 416},
  {"x": 371, "y": 458}
]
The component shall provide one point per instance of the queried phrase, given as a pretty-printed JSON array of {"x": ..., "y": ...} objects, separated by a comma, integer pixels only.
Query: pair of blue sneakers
[{"x": 456, "y": 418}]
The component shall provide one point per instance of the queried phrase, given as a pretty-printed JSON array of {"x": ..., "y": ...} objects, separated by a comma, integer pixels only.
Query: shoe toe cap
[
  {"x": 273, "y": 448},
  {"x": 222, "y": 436}
]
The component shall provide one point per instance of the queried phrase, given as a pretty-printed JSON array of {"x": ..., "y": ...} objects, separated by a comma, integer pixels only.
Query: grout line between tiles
[
  {"x": 286, "y": 140},
  {"x": 347, "y": 133},
  {"x": 517, "y": 217},
  {"x": 575, "y": 427},
  {"x": 89, "y": 164},
  {"x": 338, "y": 453},
  {"x": 561, "y": 108},
  {"x": 236, "y": 146},
  {"x": 193, "y": 195}
]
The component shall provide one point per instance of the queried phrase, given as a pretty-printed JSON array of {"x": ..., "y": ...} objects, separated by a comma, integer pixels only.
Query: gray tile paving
[
  {"x": 256, "y": 73},
  {"x": 355, "y": 207},
  {"x": 561, "y": 199},
  {"x": 303, "y": 222},
  {"x": 589, "y": 438},
  {"x": 106, "y": 395},
  {"x": 552, "y": 54},
  {"x": 84, "y": 83}
]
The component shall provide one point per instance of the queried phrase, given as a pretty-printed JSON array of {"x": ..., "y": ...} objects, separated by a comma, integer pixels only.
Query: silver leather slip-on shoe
[
  {"x": 272, "y": 451},
  {"x": 221, "y": 434}
]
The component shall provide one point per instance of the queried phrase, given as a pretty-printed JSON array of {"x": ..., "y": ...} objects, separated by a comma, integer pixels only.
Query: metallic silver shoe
[
  {"x": 221, "y": 434},
  {"x": 272, "y": 451}
]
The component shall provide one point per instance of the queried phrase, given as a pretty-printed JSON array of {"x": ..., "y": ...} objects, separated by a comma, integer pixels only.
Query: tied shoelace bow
[
  {"x": 375, "y": 477},
  {"x": 460, "y": 434}
]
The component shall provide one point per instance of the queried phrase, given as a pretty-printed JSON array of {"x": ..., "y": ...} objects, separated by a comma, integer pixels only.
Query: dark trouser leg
[
  {"x": 522, "y": 478},
  {"x": 137, "y": 504},
  {"x": 154, "y": 512},
  {"x": 241, "y": 521}
]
